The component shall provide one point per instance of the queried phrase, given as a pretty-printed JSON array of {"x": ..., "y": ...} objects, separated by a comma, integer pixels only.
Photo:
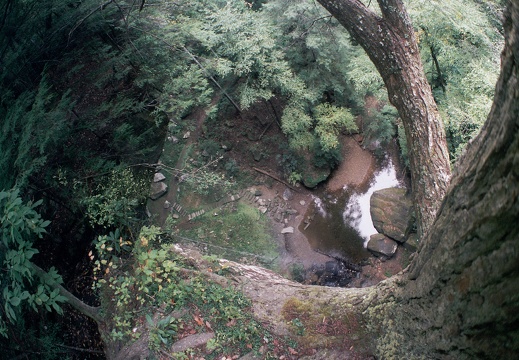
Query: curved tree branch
[
  {"x": 90, "y": 311},
  {"x": 390, "y": 43}
]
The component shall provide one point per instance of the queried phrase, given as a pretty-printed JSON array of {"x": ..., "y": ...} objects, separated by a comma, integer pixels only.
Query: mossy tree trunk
[
  {"x": 460, "y": 297},
  {"x": 390, "y": 42}
]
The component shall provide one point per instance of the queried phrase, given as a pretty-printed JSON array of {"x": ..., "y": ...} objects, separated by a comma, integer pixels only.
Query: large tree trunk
[
  {"x": 390, "y": 43},
  {"x": 460, "y": 298}
]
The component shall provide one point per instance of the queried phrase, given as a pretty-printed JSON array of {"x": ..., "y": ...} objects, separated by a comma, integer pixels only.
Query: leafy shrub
[
  {"x": 327, "y": 158},
  {"x": 382, "y": 125},
  {"x": 206, "y": 181},
  {"x": 231, "y": 167},
  {"x": 210, "y": 148},
  {"x": 330, "y": 120}
]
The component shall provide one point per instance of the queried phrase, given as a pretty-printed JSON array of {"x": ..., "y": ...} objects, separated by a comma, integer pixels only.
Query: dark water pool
[{"x": 340, "y": 223}]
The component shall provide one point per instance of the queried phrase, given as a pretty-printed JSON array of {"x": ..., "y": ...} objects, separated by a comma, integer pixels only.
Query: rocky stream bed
[{"x": 303, "y": 234}]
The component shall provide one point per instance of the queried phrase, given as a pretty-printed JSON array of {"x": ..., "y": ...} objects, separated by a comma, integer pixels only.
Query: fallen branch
[
  {"x": 275, "y": 178},
  {"x": 265, "y": 130},
  {"x": 80, "y": 349}
]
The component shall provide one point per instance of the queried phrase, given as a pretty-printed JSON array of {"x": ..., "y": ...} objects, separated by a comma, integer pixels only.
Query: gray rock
[
  {"x": 158, "y": 177},
  {"x": 288, "y": 195},
  {"x": 263, "y": 209},
  {"x": 313, "y": 176},
  {"x": 288, "y": 230},
  {"x": 173, "y": 139},
  {"x": 250, "y": 356},
  {"x": 157, "y": 190},
  {"x": 392, "y": 213},
  {"x": 381, "y": 245},
  {"x": 186, "y": 135},
  {"x": 167, "y": 204},
  {"x": 191, "y": 341},
  {"x": 226, "y": 146},
  {"x": 256, "y": 155},
  {"x": 278, "y": 215}
]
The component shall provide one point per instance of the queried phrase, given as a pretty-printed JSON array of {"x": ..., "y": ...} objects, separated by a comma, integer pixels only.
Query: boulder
[
  {"x": 157, "y": 190},
  {"x": 392, "y": 213},
  {"x": 288, "y": 195},
  {"x": 381, "y": 245},
  {"x": 158, "y": 177},
  {"x": 313, "y": 176}
]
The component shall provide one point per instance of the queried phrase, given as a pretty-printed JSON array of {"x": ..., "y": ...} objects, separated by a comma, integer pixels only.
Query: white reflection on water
[
  {"x": 320, "y": 207},
  {"x": 356, "y": 212}
]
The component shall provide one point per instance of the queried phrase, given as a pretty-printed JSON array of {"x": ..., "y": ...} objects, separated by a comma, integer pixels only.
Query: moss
[
  {"x": 295, "y": 308},
  {"x": 321, "y": 325},
  {"x": 242, "y": 235}
]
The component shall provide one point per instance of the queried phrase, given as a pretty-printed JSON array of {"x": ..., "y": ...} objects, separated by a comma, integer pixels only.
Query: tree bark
[
  {"x": 468, "y": 269},
  {"x": 460, "y": 297},
  {"x": 391, "y": 45}
]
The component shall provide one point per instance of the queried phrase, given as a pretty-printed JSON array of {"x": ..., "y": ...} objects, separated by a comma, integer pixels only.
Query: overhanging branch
[{"x": 90, "y": 311}]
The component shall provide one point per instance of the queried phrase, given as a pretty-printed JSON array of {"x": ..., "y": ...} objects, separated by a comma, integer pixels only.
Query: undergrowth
[{"x": 154, "y": 291}]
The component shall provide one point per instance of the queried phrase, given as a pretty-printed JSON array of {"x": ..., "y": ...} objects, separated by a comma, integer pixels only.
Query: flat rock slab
[
  {"x": 159, "y": 177},
  {"x": 381, "y": 245},
  {"x": 191, "y": 341},
  {"x": 288, "y": 230},
  {"x": 392, "y": 213}
]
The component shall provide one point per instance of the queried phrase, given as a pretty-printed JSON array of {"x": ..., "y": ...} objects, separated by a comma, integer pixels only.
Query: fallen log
[{"x": 275, "y": 178}]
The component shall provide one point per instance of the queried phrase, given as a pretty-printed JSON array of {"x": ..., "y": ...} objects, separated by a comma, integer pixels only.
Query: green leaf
[
  {"x": 15, "y": 301},
  {"x": 57, "y": 308}
]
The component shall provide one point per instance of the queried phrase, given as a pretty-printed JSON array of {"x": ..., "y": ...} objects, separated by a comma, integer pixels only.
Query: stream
[{"x": 339, "y": 223}]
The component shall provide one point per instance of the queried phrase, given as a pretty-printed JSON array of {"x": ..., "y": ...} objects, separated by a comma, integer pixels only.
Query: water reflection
[
  {"x": 356, "y": 212},
  {"x": 340, "y": 224}
]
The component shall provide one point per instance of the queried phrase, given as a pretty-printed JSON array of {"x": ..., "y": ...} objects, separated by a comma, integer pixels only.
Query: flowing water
[{"x": 340, "y": 223}]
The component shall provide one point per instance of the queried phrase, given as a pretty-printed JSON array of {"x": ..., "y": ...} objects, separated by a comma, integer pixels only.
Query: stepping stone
[{"x": 288, "y": 230}]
